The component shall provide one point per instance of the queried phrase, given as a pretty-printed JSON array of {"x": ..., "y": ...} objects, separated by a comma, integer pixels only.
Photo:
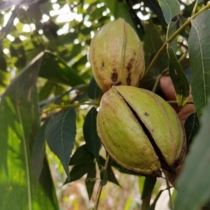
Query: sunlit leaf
[
  {"x": 46, "y": 90},
  {"x": 19, "y": 123},
  {"x": 60, "y": 135},
  {"x": 9, "y": 25},
  {"x": 56, "y": 70},
  {"x": 38, "y": 152},
  {"x": 3, "y": 80},
  {"x": 199, "y": 52},
  {"x": 17, "y": 50},
  {"x": 3, "y": 63},
  {"x": 120, "y": 10},
  {"x": 47, "y": 184}
]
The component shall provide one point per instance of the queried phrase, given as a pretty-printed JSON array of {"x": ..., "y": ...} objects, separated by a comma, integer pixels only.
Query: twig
[
  {"x": 175, "y": 102},
  {"x": 194, "y": 8},
  {"x": 61, "y": 108},
  {"x": 156, "y": 83},
  {"x": 100, "y": 186},
  {"x": 182, "y": 57},
  {"x": 169, "y": 193},
  {"x": 172, "y": 37}
]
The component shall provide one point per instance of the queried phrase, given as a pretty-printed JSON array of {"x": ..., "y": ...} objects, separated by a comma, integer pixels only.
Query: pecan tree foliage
[{"x": 49, "y": 99}]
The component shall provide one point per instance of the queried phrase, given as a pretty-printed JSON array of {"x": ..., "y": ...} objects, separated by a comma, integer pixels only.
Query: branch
[{"x": 172, "y": 37}]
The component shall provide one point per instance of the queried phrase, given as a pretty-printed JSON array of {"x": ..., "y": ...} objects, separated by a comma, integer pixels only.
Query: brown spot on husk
[
  {"x": 128, "y": 80},
  {"x": 130, "y": 65},
  {"x": 102, "y": 66},
  {"x": 114, "y": 77},
  {"x": 119, "y": 83},
  {"x": 146, "y": 114}
]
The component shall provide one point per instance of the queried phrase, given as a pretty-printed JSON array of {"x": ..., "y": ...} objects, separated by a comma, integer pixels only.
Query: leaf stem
[
  {"x": 194, "y": 8},
  {"x": 169, "y": 193},
  {"x": 100, "y": 186},
  {"x": 156, "y": 83},
  {"x": 61, "y": 108},
  {"x": 172, "y": 37},
  {"x": 146, "y": 203},
  {"x": 175, "y": 102}
]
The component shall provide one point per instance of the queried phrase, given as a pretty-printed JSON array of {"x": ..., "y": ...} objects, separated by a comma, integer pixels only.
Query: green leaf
[
  {"x": 187, "y": 12},
  {"x": 120, "y": 10},
  {"x": 180, "y": 82},
  {"x": 149, "y": 184},
  {"x": 10, "y": 23},
  {"x": 155, "y": 7},
  {"x": 56, "y": 70},
  {"x": 170, "y": 9},
  {"x": 46, "y": 90},
  {"x": 152, "y": 43},
  {"x": 170, "y": 31},
  {"x": 110, "y": 173},
  {"x": 130, "y": 203},
  {"x": 90, "y": 133},
  {"x": 206, "y": 206},
  {"x": 79, "y": 64},
  {"x": 64, "y": 39},
  {"x": 38, "y": 152},
  {"x": 152, "y": 206},
  {"x": 97, "y": 13},
  {"x": 19, "y": 123},
  {"x": 3, "y": 80},
  {"x": 46, "y": 102},
  {"x": 47, "y": 184},
  {"x": 199, "y": 53},
  {"x": 17, "y": 50},
  {"x": 3, "y": 63},
  {"x": 104, "y": 176},
  {"x": 77, "y": 48},
  {"x": 81, "y": 156},
  {"x": 192, "y": 185},
  {"x": 91, "y": 179},
  {"x": 80, "y": 170},
  {"x": 60, "y": 135},
  {"x": 94, "y": 91},
  {"x": 192, "y": 126}
]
